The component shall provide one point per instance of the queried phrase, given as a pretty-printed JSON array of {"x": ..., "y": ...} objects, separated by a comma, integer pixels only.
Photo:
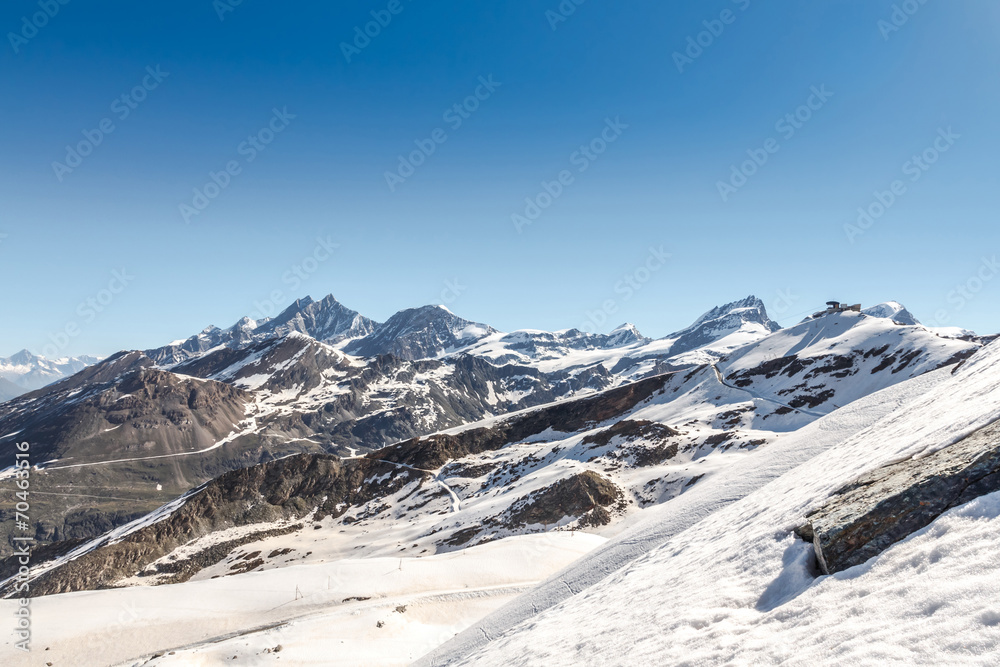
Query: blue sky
[{"x": 445, "y": 232}]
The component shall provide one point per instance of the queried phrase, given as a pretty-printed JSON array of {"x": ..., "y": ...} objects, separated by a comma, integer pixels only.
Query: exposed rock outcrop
[
  {"x": 573, "y": 497},
  {"x": 265, "y": 494},
  {"x": 866, "y": 517},
  {"x": 436, "y": 450}
]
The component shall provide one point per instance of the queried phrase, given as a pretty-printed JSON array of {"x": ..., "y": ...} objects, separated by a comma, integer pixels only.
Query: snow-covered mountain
[
  {"x": 828, "y": 362},
  {"x": 892, "y": 310},
  {"x": 624, "y": 335},
  {"x": 420, "y": 333},
  {"x": 431, "y": 436},
  {"x": 327, "y": 320},
  {"x": 719, "y": 576},
  {"x": 744, "y": 320},
  {"x": 225, "y": 399},
  {"x": 258, "y": 391},
  {"x": 627, "y": 352},
  {"x": 657, "y": 485},
  {"x": 24, "y": 371}
]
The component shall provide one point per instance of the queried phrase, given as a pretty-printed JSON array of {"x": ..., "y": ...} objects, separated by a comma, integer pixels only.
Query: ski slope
[
  {"x": 718, "y": 578},
  {"x": 320, "y": 613}
]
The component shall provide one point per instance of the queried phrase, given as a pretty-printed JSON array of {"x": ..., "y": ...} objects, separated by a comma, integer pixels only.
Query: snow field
[{"x": 332, "y": 609}]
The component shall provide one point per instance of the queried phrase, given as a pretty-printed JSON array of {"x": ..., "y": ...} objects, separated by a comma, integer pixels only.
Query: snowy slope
[
  {"x": 730, "y": 584},
  {"x": 827, "y": 362},
  {"x": 322, "y": 613}
]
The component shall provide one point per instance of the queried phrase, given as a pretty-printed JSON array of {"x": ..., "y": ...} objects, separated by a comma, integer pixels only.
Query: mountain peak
[
  {"x": 420, "y": 333},
  {"x": 23, "y": 357},
  {"x": 892, "y": 310},
  {"x": 294, "y": 309},
  {"x": 749, "y": 309},
  {"x": 747, "y": 315},
  {"x": 327, "y": 320},
  {"x": 625, "y": 334}
]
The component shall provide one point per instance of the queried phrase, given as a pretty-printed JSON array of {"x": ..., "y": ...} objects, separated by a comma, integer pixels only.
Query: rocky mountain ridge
[{"x": 160, "y": 429}]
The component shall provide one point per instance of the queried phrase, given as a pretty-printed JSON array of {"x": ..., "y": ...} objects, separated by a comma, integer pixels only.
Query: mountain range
[
  {"x": 319, "y": 433},
  {"x": 24, "y": 372},
  {"x": 320, "y": 378}
]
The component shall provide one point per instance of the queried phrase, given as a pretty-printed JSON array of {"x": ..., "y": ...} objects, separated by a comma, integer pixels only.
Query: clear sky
[{"x": 309, "y": 114}]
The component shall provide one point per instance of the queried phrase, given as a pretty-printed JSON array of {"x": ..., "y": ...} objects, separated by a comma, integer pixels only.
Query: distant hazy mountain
[
  {"x": 24, "y": 372},
  {"x": 9, "y": 390}
]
